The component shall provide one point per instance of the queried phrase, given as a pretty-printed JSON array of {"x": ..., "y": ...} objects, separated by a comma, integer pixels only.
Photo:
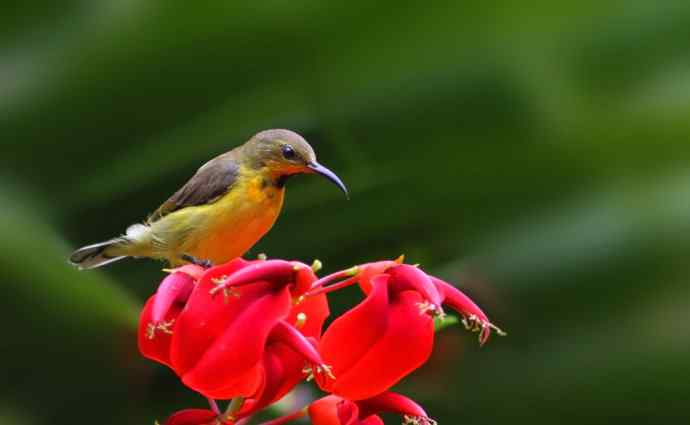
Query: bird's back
[{"x": 211, "y": 181}]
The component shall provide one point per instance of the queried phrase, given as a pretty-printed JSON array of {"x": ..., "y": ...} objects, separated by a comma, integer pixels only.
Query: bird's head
[{"x": 284, "y": 153}]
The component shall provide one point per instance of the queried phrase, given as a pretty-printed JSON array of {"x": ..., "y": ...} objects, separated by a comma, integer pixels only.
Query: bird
[{"x": 228, "y": 205}]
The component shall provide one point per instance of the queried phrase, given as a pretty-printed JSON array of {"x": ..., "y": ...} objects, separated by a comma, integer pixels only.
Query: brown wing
[{"x": 209, "y": 183}]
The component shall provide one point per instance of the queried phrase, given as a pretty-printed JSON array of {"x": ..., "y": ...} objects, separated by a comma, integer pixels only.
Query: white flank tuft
[{"x": 136, "y": 231}]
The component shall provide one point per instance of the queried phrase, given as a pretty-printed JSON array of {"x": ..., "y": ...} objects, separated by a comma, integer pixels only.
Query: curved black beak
[{"x": 330, "y": 175}]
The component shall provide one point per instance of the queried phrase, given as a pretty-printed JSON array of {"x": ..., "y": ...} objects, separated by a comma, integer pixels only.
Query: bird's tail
[
  {"x": 102, "y": 253},
  {"x": 96, "y": 255}
]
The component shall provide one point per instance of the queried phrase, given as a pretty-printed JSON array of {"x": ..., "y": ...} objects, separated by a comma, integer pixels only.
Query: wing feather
[{"x": 211, "y": 181}]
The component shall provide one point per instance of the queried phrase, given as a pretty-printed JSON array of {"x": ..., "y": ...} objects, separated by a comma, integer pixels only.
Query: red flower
[
  {"x": 240, "y": 344},
  {"x": 377, "y": 343},
  {"x": 334, "y": 410},
  {"x": 195, "y": 417},
  {"x": 208, "y": 417},
  {"x": 252, "y": 343},
  {"x": 391, "y": 333}
]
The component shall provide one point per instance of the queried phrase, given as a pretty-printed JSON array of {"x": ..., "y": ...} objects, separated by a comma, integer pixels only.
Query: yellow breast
[{"x": 234, "y": 223}]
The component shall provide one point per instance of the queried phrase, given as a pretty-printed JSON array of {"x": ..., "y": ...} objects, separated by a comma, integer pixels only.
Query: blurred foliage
[{"x": 537, "y": 155}]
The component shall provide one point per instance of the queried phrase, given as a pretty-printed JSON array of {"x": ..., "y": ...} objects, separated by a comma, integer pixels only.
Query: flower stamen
[
  {"x": 307, "y": 370},
  {"x": 326, "y": 370},
  {"x": 150, "y": 331},
  {"x": 233, "y": 408},
  {"x": 320, "y": 369},
  {"x": 418, "y": 420},
  {"x": 227, "y": 291},
  {"x": 165, "y": 327},
  {"x": 474, "y": 323},
  {"x": 432, "y": 309}
]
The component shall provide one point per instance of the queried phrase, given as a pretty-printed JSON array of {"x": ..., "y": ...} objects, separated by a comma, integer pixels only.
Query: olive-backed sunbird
[{"x": 222, "y": 211}]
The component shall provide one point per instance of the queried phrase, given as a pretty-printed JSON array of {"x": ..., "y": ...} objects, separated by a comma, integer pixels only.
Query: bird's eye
[{"x": 288, "y": 152}]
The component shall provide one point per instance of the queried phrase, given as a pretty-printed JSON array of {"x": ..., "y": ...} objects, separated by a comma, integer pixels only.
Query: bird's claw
[{"x": 207, "y": 264}]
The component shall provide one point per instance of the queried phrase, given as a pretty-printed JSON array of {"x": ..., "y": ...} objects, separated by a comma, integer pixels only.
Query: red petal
[
  {"x": 276, "y": 271},
  {"x": 290, "y": 374},
  {"x": 353, "y": 334},
  {"x": 194, "y": 271},
  {"x": 226, "y": 269},
  {"x": 205, "y": 317},
  {"x": 288, "y": 335},
  {"x": 326, "y": 411},
  {"x": 334, "y": 410},
  {"x": 192, "y": 417},
  {"x": 154, "y": 343},
  {"x": 305, "y": 276},
  {"x": 390, "y": 402},
  {"x": 282, "y": 371},
  {"x": 176, "y": 287},
  {"x": 372, "y": 420},
  {"x": 457, "y": 300},
  {"x": 405, "y": 345},
  {"x": 405, "y": 276},
  {"x": 230, "y": 366},
  {"x": 369, "y": 270},
  {"x": 348, "y": 412}
]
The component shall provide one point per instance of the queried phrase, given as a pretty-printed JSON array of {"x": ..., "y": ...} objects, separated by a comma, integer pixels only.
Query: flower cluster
[{"x": 250, "y": 331}]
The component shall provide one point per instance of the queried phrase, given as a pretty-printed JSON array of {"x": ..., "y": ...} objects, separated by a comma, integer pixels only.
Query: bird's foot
[{"x": 207, "y": 264}]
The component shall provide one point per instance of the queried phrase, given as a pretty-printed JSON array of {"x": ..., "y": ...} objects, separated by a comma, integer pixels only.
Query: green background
[{"x": 536, "y": 154}]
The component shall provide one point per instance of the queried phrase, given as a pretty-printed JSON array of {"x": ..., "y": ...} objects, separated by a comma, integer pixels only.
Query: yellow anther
[
  {"x": 309, "y": 372},
  {"x": 316, "y": 265},
  {"x": 150, "y": 331},
  {"x": 325, "y": 369},
  {"x": 301, "y": 320}
]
